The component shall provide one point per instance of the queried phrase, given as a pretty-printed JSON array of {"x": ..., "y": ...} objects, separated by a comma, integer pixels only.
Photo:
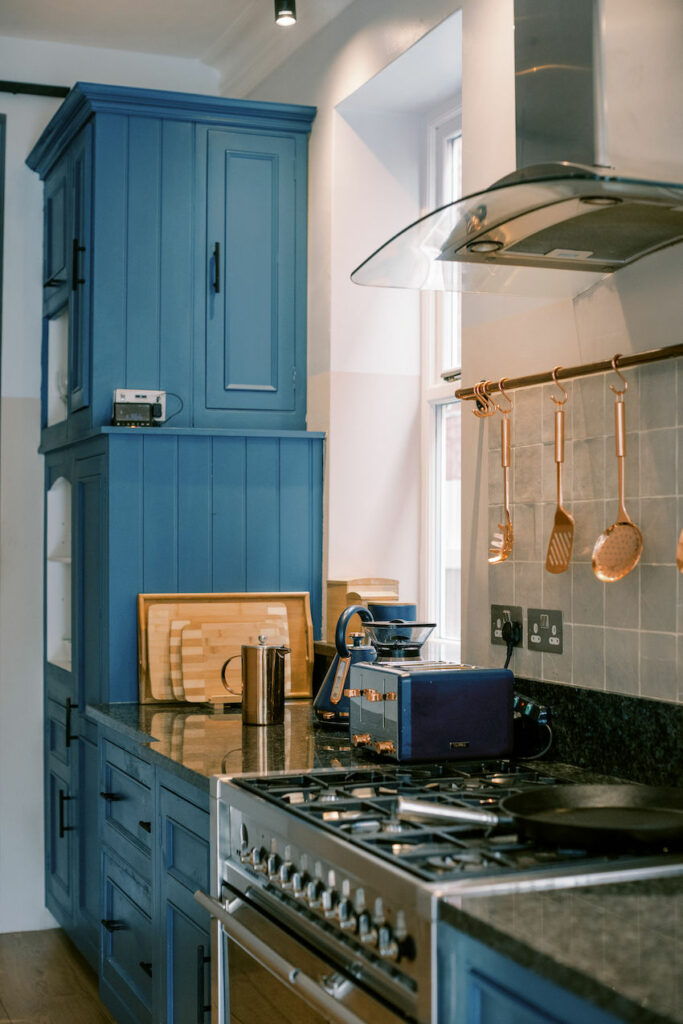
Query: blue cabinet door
[
  {"x": 60, "y": 831},
  {"x": 56, "y": 218},
  {"x": 127, "y": 961},
  {"x": 90, "y": 502},
  {"x": 86, "y": 933},
  {"x": 79, "y": 271}
]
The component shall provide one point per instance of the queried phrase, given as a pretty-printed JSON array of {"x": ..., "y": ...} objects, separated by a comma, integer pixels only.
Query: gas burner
[{"x": 464, "y": 861}]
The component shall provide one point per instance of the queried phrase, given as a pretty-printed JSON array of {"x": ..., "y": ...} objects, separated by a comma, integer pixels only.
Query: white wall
[{"x": 21, "y": 468}]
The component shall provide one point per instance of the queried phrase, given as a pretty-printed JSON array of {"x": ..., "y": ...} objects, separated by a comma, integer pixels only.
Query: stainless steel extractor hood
[{"x": 563, "y": 209}]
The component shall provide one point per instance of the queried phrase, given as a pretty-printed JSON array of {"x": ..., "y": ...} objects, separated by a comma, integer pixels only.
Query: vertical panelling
[
  {"x": 110, "y": 190},
  {"x": 301, "y": 520},
  {"x": 143, "y": 250},
  {"x": 176, "y": 258},
  {"x": 263, "y": 520},
  {"x": 194, "y": 514},
  {"x": 160, "y": 514},
  {"x": 124, "y": 566},
  {"x": 229, "y": 525}
]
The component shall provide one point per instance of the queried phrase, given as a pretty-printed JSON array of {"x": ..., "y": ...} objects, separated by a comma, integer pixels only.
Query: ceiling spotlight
[{"x": 285, "y": 12}]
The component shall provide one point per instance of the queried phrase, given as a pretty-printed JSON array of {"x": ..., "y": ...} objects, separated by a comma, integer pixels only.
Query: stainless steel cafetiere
[{"x": 263, "y": 682}]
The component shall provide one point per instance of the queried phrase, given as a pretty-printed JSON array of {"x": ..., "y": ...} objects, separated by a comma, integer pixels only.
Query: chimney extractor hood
[{"x": 552, "y": 214}]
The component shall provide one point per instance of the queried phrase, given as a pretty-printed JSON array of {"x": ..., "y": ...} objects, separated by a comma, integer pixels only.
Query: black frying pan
[{"x": 586, "y": 817}]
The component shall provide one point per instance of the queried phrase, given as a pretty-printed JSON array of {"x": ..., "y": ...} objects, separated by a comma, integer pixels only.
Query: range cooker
[{"x": 320, "y": 881}]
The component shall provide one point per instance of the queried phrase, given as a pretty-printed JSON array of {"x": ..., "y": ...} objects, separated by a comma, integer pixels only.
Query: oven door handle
[{"x": 323, "y": 994}]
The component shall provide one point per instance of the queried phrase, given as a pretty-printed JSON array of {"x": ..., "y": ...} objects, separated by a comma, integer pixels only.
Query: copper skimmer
[
  {"x": 562, "y": 535},
  {"x": 501, "y": 543},
  {"x": 618, "y": 550},
  {"x": 679, "y": 553}
]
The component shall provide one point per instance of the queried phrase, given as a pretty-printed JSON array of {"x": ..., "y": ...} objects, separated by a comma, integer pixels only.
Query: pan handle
[{"x": 421, "y": 809}]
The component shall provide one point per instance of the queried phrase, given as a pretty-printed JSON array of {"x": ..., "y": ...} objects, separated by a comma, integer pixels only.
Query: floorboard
[{"x": 45, "y": 980}]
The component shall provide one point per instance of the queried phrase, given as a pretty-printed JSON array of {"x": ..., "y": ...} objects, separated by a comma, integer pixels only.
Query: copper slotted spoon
[
  {"x": 617, "y": 551},
  {"x": 679, "y": 553},
  {"x": 501, "y": 543},
  {"x": 562, "y": 536}
]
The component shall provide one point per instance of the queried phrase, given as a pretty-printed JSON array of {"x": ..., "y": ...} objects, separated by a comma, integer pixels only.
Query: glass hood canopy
[{"x": 514, "y": 237}]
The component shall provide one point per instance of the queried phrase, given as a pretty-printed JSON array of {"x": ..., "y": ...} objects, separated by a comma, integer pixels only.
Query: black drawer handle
[
  {"x": 75, "y": 279},
  {"x": 112, "y": 797},
  {"x": 54, "y": 282},
  {"x": 202, "y": 1007},
  {"x": 62, "y": 827},
  {"x": 147, "y": 968},
  {"x": 147, "y": 825},
  {"x": 111, "y": 926},
  {"x": 217, "y": 267},
  {"x": 67, "y": 727}
]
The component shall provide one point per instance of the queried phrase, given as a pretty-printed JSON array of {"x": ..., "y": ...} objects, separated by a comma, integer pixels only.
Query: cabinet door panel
[
  {"x": 250, "y": 353},
  {"x": 56, "y": 219},
  {"x": 79, "y": 272},
  {"x": 91, "y": 576},
  {"x": 127, "y": 943},
  {"x": 59, "y": 833},
  {"x": 87, "y": 881},
  {"x": 188, "y": 949},
  {"x": 185, "y": 842}
]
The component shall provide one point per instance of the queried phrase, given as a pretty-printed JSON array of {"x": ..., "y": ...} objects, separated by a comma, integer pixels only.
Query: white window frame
[{"x": 440, "y": 127}]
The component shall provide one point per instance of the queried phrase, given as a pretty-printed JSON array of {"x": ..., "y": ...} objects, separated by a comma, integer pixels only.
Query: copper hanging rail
[{"x": 567, "y": 372}]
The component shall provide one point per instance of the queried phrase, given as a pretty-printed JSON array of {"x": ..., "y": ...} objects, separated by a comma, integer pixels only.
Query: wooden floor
[{"x": 45, "y": 980}]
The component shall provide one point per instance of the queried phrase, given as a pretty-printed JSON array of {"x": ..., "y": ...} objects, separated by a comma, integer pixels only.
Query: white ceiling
[{"x": 214, "y": 31}]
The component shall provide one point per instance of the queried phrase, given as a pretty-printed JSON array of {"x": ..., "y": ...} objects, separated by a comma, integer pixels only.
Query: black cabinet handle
[
  {"x": 147, "y": 825},
  {"x": 202, "y": 1007},
  {"x": 147, "y": 968},
  {"x": 62, "y": 827},
  {"x": 111, "y": 926},
  {"x": 113, "y": 797},
  {"x": 75, "y": 279},
  {"x": 217, "y": 267},
  {"x": 67, "y": 725},
  {"x": 54, "y": 282}
]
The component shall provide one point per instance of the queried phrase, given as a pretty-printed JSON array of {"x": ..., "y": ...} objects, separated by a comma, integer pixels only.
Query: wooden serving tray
[{"x": 157, "y": 612}]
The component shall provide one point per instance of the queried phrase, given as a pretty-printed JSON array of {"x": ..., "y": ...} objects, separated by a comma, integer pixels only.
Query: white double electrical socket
[{"x": 135, "y": 395}]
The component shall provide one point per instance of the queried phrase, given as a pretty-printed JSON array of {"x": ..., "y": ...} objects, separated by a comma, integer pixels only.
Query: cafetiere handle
[
  {"x": 223, "y": 679},
  {"x": 342, "y": 625}
]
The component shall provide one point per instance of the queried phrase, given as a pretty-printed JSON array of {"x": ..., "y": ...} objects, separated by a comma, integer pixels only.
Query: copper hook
[
  {"x": 618, "y": 372},
  {"x": 484, "y": 405},
  {"x": 559, "y": 401},
  {"x": 501, "y": 388}
]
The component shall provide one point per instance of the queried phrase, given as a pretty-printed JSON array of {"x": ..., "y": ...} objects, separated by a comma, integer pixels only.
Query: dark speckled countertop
[{"x": 619, "y": 946}]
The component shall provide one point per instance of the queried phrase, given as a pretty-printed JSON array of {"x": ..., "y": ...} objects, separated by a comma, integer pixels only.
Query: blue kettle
[{"x": 331, "y": 706}]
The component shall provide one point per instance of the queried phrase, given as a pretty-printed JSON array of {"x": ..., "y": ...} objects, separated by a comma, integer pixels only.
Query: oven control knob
[
  {"x": 299, "y": 885},
  {"x": 345, "y": 915},
  {"x": 286, "y": 871},
  {"x": 366, "y": 932},
  {"x": 256, "y": 860},
  {"x": 387, "y": 946},
  {"x": 273, "y": 866},
  {"x": 328, "y": 903},
  {"x": 313, "y": 894}
]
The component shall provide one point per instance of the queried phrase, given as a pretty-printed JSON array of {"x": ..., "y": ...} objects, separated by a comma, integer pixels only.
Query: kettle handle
[
  {"x": 342, "y": 624},
  {"x": 223, "y": 679}
]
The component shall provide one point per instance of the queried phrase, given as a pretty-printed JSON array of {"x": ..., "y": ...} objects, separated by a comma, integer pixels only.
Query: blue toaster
[{"x": 430, "y": 710}]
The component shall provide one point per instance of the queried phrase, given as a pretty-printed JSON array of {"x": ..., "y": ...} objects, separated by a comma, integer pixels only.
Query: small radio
[{"x": 138, "y": 408}]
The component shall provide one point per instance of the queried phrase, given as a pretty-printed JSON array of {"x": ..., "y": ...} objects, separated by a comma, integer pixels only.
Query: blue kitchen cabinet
[
  {"x": 477, "y": 985},
  {"x": 175, "y": 234},
  {"x": 184, "y": 926},
  {"x": 59, "y": 842}
]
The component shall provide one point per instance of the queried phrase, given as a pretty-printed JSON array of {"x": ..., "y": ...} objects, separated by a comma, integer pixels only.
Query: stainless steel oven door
[{"x": 274, "y": 953}]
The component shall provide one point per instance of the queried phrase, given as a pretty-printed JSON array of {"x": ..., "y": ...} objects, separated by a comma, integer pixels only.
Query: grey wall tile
[
  {"x": 557, "y": 592},
  {"x": 679, "y": 488},
  {"x": 588, "y": 596},
  {"x": 654, "y": 393},
  {"x": 524, "y": 662},
  {"x": 658, "y": 665},
  {"x": 526, "y": 416},
  {"x": 658, "y": 521},
  {"x": 528, "y": 583},
  {"x": 502, "y": 583},
  {"x": 492, "y": 428},
  {"x": 589, "y": 522},
  {"x": 588, "y": 408},
  {"x": 622, "y": 601},
  {"x": 588, "y": 657},
  {"x": 496, "y": 489},
  {"x": 658, "y": 462},
  {"x": 558, "y": 667},
  {"x": 526, "y": 473},
  {"x": 588, "y": 469},
  {"x": 528, "y": 526},
  {"x": 621, "y": 660},
  {"x": 658, "y": 598}
]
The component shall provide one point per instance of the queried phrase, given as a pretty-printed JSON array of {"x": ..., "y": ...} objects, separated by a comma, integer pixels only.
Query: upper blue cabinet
[{"x": 174, "y": 258}]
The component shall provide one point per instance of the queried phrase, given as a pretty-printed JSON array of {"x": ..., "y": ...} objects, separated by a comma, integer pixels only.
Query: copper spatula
[{"x": 562, "y": 536}]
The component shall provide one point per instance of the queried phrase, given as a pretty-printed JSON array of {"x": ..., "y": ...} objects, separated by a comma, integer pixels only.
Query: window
[{"x": 441, "y": 546}]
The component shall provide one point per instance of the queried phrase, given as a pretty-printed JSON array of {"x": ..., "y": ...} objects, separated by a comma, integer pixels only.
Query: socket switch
[
  {"x": 544, "y": 630},
  {"x": 501, "y": 613}
]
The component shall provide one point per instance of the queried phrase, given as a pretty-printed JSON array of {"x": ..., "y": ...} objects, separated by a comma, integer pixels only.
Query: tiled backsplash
[{"x": 627, "y": 636}]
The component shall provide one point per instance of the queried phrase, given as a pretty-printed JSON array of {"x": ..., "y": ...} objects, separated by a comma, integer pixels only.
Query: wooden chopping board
[{"x": 206, "y": 646}]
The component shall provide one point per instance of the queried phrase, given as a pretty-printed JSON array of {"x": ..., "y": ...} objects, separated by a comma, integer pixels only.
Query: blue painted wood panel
[
  {"x": 229, "y": 515},
  {"x": 127, "y": 900},
  {"x": 80, "y": 272},
  {"x": 194, "y": 518},
  {"x": 56, "y": 207},
  {"x": 90, "y": 583},
  {"x": 143, "y": 253},
  {"x": 87, "y": 882}
]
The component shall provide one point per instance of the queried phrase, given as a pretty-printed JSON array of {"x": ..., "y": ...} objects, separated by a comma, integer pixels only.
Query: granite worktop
[{"x": 619, "y": 946}]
